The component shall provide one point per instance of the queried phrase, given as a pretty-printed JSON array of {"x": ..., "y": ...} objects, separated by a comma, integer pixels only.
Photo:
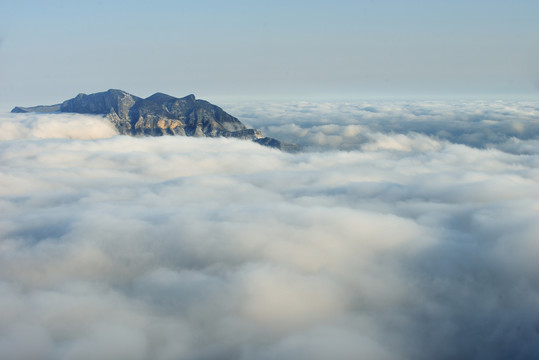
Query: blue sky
[{"x": 51, "y": 50}]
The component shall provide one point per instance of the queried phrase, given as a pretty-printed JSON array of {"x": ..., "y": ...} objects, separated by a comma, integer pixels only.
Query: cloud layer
[
  {"x": 414, "y": 247},
  {"x": 54, "y": 126},
  {"x": 504, "y": 125}
]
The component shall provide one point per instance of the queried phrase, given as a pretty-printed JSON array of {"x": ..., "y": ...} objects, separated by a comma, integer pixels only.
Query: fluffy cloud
[
  {"x": 415, "y": 247},
  {"x": 504, "y": 125},
  {"x": 58, "y": 126}
]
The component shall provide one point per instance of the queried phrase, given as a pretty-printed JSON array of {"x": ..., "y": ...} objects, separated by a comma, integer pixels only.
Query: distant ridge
[{"x": 160, "y": 114}]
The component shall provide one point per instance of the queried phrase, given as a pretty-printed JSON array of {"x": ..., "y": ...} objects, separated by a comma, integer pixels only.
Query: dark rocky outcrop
[
  {"x": 160, "y": 114},
  {"x": 278, "y": 144}
]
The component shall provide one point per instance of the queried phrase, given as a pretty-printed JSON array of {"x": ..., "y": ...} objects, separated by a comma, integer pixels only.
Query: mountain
[{"x": 160, "y": 114}]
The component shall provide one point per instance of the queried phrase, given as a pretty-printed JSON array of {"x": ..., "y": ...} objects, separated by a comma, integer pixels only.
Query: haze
[{"x": 50, "y": 51}]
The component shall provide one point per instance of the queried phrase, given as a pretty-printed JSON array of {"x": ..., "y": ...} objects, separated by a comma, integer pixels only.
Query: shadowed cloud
[{"x": 413, "y": 246}]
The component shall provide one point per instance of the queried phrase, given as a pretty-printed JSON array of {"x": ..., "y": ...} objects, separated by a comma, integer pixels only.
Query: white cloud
[
  {"x": 54, "y": 126},
  {"x": 172, "y": 247},
  {"x": 505, "y": 125}
]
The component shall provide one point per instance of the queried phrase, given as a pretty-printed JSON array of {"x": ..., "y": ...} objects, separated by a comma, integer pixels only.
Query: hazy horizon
[{"x": 299, "y": 49}]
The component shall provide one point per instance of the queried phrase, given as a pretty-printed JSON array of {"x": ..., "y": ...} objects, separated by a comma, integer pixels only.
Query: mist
[{"x": 402, "y": 231}]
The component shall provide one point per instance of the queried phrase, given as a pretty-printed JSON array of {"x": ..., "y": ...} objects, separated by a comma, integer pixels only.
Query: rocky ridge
[{"x": 160, "y": 114}]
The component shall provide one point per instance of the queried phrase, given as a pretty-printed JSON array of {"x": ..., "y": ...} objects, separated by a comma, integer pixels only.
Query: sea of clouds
[
  {"x": 402, "y": 231},
  {"x": 509, "y": 126}
]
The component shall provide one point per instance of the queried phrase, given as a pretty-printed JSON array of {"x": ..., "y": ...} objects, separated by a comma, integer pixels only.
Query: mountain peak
[
  {"x": 160, "y": 114},
  {"x": 160, "y": 97},
  {"x": 116, "y": 92}
]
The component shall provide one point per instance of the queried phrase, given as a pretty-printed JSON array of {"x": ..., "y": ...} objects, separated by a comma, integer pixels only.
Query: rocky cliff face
[{"x": 160, "y": 114}]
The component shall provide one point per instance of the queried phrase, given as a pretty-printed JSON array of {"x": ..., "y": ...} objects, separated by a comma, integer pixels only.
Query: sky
[{"x": 50, "y": 51}]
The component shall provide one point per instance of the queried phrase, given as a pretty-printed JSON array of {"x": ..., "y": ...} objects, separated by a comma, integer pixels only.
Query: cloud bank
[
  {"x": 411, "y": 247},
  {"x": 504, "y": 125},
  {"x": 54, "y": 126}
]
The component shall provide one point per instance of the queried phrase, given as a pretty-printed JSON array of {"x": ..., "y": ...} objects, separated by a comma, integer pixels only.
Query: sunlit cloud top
[{"x": 209, "y": 248}]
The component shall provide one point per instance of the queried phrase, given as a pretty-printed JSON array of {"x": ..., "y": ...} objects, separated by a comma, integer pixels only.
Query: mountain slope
[{"x": 160, "y": 114}]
